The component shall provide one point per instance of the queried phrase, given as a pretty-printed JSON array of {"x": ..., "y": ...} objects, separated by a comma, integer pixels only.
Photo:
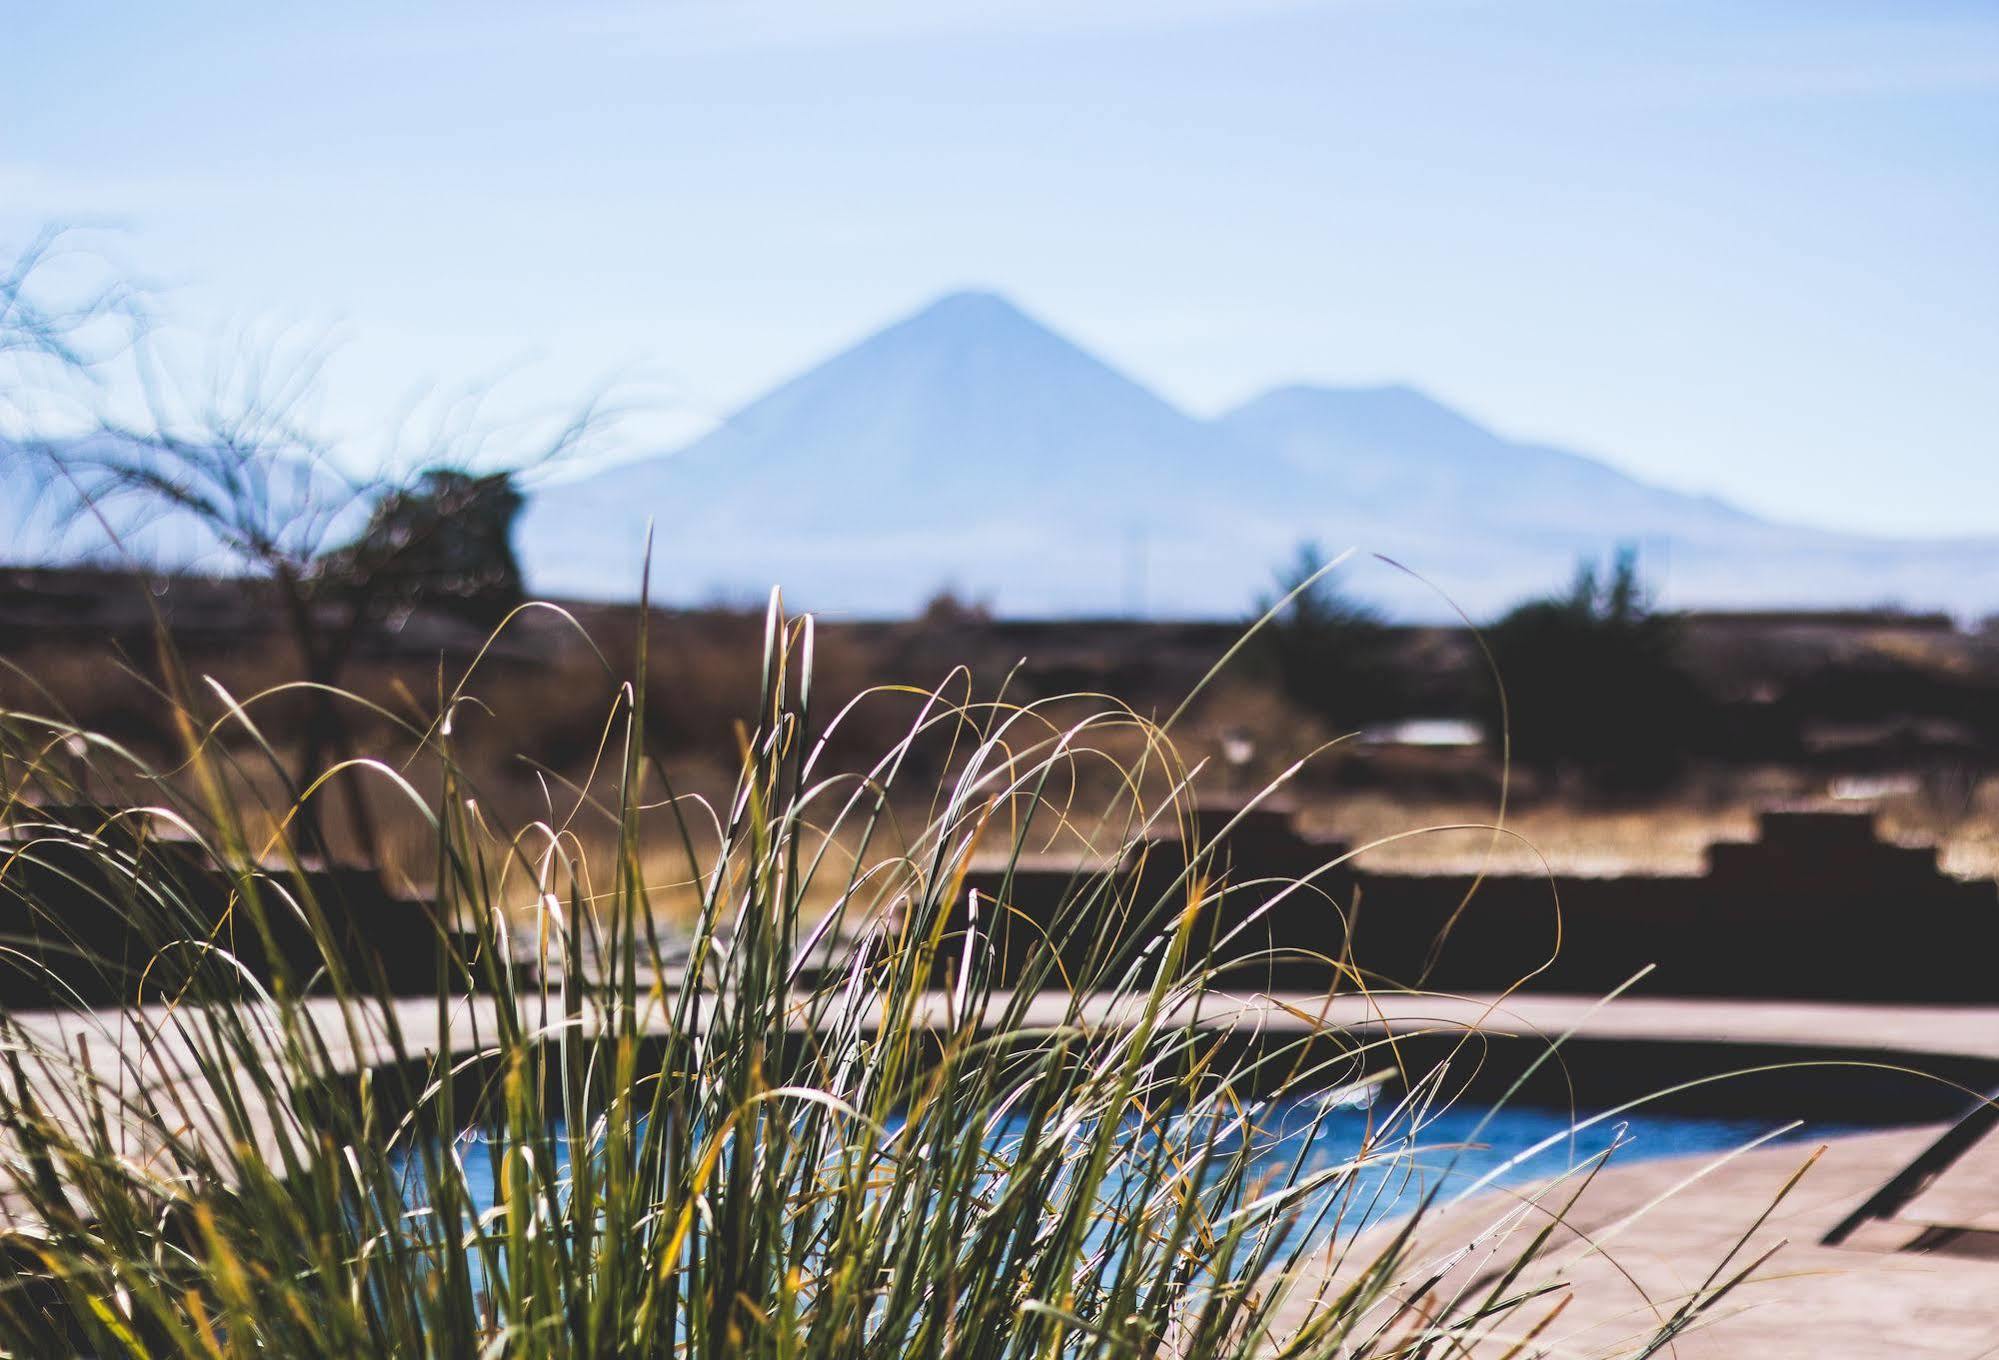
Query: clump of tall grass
[{"x": 816, "y": 1123}]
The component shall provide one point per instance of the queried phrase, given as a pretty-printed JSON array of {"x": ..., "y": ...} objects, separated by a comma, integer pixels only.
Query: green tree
[
  {"x": 1333, "y": 655},
  {"x": 230, "y": 460},
  {"x": 445, "y": 541},
  {"x": 1594, "y": 682}
]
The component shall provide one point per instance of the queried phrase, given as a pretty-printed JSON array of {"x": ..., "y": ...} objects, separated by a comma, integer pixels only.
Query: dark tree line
[
  {"x": 1592, "y": 682},
  {"x": 1595, "y": 684},
  {"x": 1333, "y": 656}
]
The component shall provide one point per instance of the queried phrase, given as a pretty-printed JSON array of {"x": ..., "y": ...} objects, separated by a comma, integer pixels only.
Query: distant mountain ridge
[
  {"x": 43, "y": 518},
  {"x": 968, "y": 445}
]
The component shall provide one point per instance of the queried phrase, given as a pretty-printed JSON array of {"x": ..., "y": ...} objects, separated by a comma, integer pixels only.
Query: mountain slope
[
  {"x": 1491, "y": 520},
  {"x": 1391, "y": 450},
  {"x": 41, "y": 521},
  {"x": 969, "y": 445},
  {"x": 58, "y": 504},
  {"x": 967, "y": 390}
]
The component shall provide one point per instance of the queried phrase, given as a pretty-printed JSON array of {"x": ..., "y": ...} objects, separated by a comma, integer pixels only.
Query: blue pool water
[
  {"x": 1449, "y": 1152},
  {"x": 1462, "y": 1148}
]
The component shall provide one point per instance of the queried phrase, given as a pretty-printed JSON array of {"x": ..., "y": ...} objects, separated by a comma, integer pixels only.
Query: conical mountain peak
[
  {"x": 968, "y": 442},
  {"x": 973, "y": 306},
  {"x": 972, "y": 319}
]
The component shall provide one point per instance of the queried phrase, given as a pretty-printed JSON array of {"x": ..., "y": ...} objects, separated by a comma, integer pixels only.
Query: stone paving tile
[
  {"x": 1966, "y": 1195},
  {"x": 1808, "y": 1302}
]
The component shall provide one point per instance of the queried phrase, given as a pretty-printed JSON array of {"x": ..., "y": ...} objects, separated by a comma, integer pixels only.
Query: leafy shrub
[
  {"x": 1594, "y": 685},
  {"x": 1333, "y": 656}
]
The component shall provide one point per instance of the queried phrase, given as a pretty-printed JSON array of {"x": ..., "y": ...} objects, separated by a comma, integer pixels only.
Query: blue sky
[{"x": 1744, "y": 247}]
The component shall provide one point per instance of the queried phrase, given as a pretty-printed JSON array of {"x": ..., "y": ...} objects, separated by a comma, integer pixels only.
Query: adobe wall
[
  {"x": 1817, "y": 906},
  {"x": 67, "y": 919}
]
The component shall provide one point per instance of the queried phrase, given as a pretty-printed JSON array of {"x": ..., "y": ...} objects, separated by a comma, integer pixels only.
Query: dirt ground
[{"x": 1578, "y": 838}]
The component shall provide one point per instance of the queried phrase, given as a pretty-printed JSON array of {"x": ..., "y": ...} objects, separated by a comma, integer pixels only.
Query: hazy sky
[{"x": 1741, "y": 246}]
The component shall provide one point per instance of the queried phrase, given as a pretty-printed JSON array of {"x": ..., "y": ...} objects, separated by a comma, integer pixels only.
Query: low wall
[
  {"x": 1818, "y": 906},
  {"x": 78, "y": 925}
]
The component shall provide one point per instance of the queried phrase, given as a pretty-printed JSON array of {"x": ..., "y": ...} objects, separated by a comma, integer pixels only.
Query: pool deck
[
  {"x": 1643, "y": 1237},
  {"x": 1895, "y": 1288},
  {"x": 1892, "y": 1032}
]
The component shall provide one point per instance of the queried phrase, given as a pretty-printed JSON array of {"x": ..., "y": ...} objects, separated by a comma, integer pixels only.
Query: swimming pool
[{"x": 1441, "y": 1153}]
